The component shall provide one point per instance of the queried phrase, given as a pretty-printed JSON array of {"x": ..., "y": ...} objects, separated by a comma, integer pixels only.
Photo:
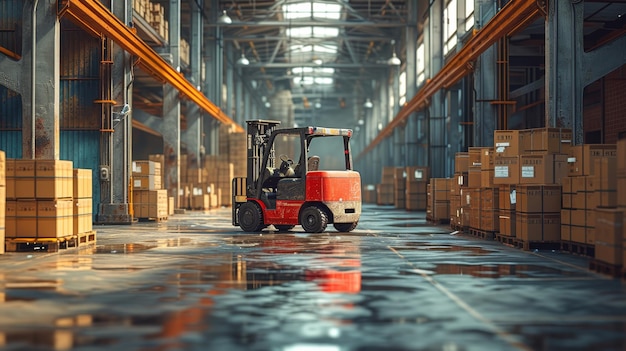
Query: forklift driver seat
[{"x": 313, "y": 163}]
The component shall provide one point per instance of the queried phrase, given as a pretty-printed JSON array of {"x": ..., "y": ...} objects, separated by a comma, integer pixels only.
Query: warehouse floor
[{"x": 395, "y": 283}]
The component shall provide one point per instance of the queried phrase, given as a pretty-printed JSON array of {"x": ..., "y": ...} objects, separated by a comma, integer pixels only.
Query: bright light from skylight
[
  {"x": 307, "y": 80},
  {"x": 330, "y": 49},
  {"x": 318, "y": 10},
  {"x": 312, "y": 32},
  {"x": 311, "y": 70}
]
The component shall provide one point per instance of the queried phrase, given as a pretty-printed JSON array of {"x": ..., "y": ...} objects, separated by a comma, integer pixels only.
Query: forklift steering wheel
[{"x": 285, "y": 165}]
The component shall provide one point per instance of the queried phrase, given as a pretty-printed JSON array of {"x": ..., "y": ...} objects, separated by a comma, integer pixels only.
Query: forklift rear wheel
[
  {"x": 284, "y": 228},
  {"x": 313, "y": 219},
  {"x": 345, "y": 227},
  {"x": 250, "y": 217}
]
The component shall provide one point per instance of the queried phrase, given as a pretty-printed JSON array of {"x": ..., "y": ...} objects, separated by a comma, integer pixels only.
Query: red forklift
[{"x": 314, "y": 192}]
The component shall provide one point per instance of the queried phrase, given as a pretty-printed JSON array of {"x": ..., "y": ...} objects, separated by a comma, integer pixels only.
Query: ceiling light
[
  {"x": 368, "y": 103},
  {"x": 224, "y": 18},
  {"x": 243, "y": 61},
  {"x": 394, "y": 60},
  {"x": 318, "y": 61}
]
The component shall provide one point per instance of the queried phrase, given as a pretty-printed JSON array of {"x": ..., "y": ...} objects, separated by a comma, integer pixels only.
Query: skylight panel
[
  {"x": 326, "y": 11},
  {"x": 297, "y": 10},
  {"x": 312, "y": 32}
]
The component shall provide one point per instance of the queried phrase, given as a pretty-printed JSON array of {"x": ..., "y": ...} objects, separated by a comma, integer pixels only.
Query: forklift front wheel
[
  {"x": 313, "y": 219},
  {"x": 250, "y": 217}
]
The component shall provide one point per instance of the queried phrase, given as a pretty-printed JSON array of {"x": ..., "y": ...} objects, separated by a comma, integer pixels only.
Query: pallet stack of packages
[
  {"x": 3, "y": 197},
  {"x": 531, "y": 164},
  {"x": 150, "y": 200},
  {"x": 40, "y": 205},
  {"x": 83, "y": 203},
  {"x": 438, "y": 200},
  {"x": 384, "y": 189},
  {"x": 399, "y": 187},
  {"x": 160, "y": 159},
  {"x": 219, "y": 173},
  {"x": 591, "y": 183},
  {"x": 482, "y": 195},
  {"x": 415, "y": 189},
  {"x": 459, "y": 208}
]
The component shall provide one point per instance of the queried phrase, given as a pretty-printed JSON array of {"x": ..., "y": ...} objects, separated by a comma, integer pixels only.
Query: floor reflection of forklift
[{"x": 285, "y": 195}]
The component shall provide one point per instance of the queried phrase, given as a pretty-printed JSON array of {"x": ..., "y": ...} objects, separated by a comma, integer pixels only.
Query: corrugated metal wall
[
  {"x": 10, "y": 123},
  {"x": 80, "y": 116},
  {"x": 10, "y": 25}
]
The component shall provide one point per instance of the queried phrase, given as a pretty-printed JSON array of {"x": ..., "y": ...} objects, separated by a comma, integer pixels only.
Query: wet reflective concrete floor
[{"x": 395, "y": 283}]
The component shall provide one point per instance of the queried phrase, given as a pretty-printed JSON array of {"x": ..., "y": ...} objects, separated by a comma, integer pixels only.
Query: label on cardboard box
[
  {"x": 513, "y": 197},
  {"x": 528, "y": 171},
  {"x": 571, "y": 159},
  {"x": 503, "y": 145},
  {"x": 419, "y": 174},
  {"x": 501, "y": 172}
]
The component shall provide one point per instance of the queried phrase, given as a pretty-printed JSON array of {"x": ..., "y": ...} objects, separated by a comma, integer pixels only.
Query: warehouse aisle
[{"x": 395, "y": 283}]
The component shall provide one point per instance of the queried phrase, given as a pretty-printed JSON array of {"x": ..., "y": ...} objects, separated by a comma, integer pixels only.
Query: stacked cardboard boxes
[
  {"x": 610, "y": 214},
  {"x": 538, "y": 212},
  {"x": 415, "y": 195},
  {"x": 459, "y": 194},
  {"x": 83, "y": 200},
  {"x": 219, "y": 172},
  {"x": 438, "y": 200},
  {"x": 399, "y": 187},
  {"x": 150, "y": 201},
  {"x": 592, "y": 183},
  {"x": 3, "y": 197},
  {"x": 154, "y": 14},
  {"x": 384, "y": 190},
  {"x": 40, "y": 204}
]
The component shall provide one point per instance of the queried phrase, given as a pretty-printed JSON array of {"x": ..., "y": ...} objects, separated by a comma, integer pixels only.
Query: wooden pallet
[
  {"x": 483, "y": 234},
  {"x": 49, "y": 244},
  {"x": 578, "y": 248},
  {"x": 506, "y": 240},
  {"x": 440, "y": 221},
  {"x": 152, "y": 219},
  {"x": 614, "y": 271}
]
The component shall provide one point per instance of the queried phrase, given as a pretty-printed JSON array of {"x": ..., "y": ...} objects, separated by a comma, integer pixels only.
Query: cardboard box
[
  {"x": 474, "y": 157},
  {"x": 413, "y": 187},
  {"x": 621, "y": 156},
  {"x": 543, "y": 169},
  {"x": 577, "y": 217},
  {"x": 416, "y": 202},
  {"x": 3, "y": 167},
  {"x": 566, "y": 232},
  {"x": 146, "y": 182},
  {"x": 507, "y": 195},
  {"x": 10, "y": 178},
  {"x": 507, "y": 143},
  {"x": 550, "y": 140},
  {"x": 582, "y": 157},
  {"x": 538, "y": 227},
  {"x": 417, "y": 174},
  {"x": 506, "y": 170},
  {"x": 9, "y": 220},
  {"x": 609, "y": 235},
  {"x": 53, "y": 187},
  {"x": 621, "y": 192},
  {"x": 566, "y": 216},
  {"x": 384, "y": 194},
  {"x": 461, "y": 162},
  {"x": 26, "y": 219},
  {"x": 474, "y": 177},
  {"x": 441, "y": 210},
  {"x": 489, "y": 199},
  {"x": 578, "y": 234},
  {"x": 54, "y": 218},
  {"x": 490, "y": 220},
  {"x": 486, "y": 178},
  {"x": 82, "y": 216},
  {"x": 82, "y": 183},
  {"x": 146, "y": 168},
  {"x": 24, "y": 168},
  {"x": 538, "y": 198},
  {"x": 53, "y": 168},
  {"x": 507, "y": 222}
]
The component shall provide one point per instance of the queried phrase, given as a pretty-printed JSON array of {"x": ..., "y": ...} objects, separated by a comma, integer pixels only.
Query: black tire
[
  {"x": 283, "y": 228},
  {"x": 250, "y": 217},
  {"x": 345, "y": 227},
  {"x": 313, "y": 219}
]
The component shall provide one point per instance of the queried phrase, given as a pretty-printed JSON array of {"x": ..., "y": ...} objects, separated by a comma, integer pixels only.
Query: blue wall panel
[
  {"x": 82, "y": 147},
  {"x": 11, "y": 143}
]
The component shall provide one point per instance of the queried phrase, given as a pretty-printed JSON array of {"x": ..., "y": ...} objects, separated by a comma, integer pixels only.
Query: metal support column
[
  {"x": 171, "y": 111},
  {"x": 410, "y": 68},
  {"x": 193, "y": 133},
  {"x": 40, "y": 81},
  {"x": 115, "y": 204},
  {"x": 214, "y": 48},
  {"x": 564, "y": 50},
  {"x": 485, "y": 85},
  {"x": 436, "y": 119}
]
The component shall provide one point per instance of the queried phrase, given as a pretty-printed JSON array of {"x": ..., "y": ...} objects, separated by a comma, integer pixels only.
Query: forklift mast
[{"x": 259, "y": 132}]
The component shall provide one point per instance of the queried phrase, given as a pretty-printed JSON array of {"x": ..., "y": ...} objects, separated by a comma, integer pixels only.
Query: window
[{"x": 449, "y": 26}]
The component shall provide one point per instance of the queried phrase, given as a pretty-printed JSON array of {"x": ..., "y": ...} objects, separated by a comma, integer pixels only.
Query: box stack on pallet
[
  {"x": 591, "y": 183},
  {"x": 531, "y": 157},
  {"x": 150, "y": 201},
  {"x": 417, "y": 179},
  {"x": 384, "y": 190},
  {"x": 39, "y": 207},
  {"x": 459, "y": 197},
  {"x": 219, "y": 174},
  {"x": 438, "y": 200},
  {"x": 3, "y": 198},
  {"x": 481, "y": 196},
  {"x": 160, "y": 159},
  {"x": 399, "y": 187},
  {"x": 83, "y": 203},
  {"x": 233, "y": 144}
]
